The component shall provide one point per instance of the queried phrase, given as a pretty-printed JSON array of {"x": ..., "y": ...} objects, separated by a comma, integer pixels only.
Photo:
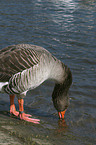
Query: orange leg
[
  {"x": 21, "y": 113},
  {"x": 24, "y": 116},
  {"x": 12, "y": 106}
]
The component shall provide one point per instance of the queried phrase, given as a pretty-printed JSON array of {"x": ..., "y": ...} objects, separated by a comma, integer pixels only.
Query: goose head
[{"x": 60, "y": 95}]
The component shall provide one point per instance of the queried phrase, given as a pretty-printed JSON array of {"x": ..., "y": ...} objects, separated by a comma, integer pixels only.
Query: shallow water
[{"x": 67, "y": 28}]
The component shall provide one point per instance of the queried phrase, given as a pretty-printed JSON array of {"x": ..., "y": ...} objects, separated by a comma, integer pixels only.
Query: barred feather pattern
[
  {"x": 16, "y": 58},
  {"x": 26, "y": 66},
  {"x": 18, "y": 83},
  {"x": 29, "y": 78}
]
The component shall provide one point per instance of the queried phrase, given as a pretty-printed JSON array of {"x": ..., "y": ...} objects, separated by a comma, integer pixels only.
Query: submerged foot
[
  {"x": 25, "y": 117},
  {"x": 16, "y": 113}
]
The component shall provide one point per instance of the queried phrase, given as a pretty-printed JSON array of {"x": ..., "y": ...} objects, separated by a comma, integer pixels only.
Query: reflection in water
[
  {"x": 62, "y": 128},
  {"x": 62, "y": 124},
  {"x": 63, "y": 15},
  {"x": 87, "y": 3},
  {"x": 65, "y": 4}
]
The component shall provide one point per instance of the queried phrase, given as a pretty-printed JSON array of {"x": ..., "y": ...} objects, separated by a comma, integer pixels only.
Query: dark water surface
[{"x": 67, "y": 28}]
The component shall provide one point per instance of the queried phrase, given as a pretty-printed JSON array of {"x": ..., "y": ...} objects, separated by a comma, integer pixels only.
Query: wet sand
[
  {"x": 6, "y": 131},
  {"x": 14, "y": 131},
  {"x": 6, "y": 139}
]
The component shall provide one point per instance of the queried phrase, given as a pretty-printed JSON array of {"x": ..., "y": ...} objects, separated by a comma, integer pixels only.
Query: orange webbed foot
[{"x": 25, "y": 117}]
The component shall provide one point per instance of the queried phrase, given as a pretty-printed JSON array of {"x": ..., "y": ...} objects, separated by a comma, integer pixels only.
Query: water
[{"x": 67, "y": 28}]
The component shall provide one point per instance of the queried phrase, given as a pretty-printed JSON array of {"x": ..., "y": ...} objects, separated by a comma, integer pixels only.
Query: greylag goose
[{"x": 24, "y": 67}]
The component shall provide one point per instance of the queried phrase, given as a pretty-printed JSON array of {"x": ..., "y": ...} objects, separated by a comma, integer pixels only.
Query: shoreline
[
  {"x": 14, "y": 131},
  {"x": 6, "y": 130}
]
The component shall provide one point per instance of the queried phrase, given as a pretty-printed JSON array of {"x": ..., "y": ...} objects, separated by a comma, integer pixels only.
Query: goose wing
[{"x": 16, "y": 59}]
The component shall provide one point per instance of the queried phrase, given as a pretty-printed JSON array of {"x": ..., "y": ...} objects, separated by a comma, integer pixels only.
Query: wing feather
[{"x": 15, "y": 59}]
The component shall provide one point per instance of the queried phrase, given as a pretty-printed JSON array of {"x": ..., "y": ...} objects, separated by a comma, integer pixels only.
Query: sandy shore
[
  {"x": 17, "y": 132},
  {"x": 6, "y": 139},
  {"x": 6, "y": 130},
  {"x": 14, "y": 132}
]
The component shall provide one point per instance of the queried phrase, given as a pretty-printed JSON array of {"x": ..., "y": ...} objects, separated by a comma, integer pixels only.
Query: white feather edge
[{"x": 2, "y": 84}]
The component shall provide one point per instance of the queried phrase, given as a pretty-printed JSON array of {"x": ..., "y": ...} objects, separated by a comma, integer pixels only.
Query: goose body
[{"x": 25, "y": 66}]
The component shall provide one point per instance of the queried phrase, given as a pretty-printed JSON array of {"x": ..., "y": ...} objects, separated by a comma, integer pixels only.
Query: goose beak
[{"x": 61, "y": 114}]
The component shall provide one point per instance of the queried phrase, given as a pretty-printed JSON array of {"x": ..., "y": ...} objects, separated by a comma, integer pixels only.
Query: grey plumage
[
  {"x": 21, "y": 66},
  {"x": 25, "y": 66},
  {"x": 15, "y": 59}
]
